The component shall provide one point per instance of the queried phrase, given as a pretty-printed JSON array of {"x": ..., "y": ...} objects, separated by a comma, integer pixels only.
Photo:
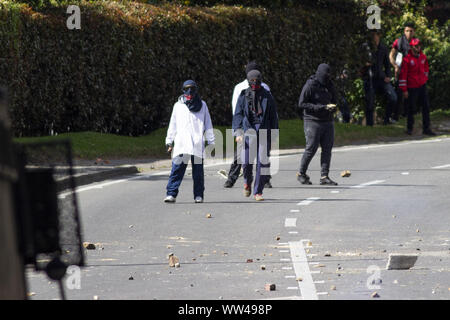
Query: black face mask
[
  {"x": 323, "y": 73},
  {"x": 192, "y": 99},
  {"x": 254, "y": 80}
]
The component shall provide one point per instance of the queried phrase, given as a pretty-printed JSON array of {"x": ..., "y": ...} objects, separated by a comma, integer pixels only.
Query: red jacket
[{"x": 414, "y": 71}]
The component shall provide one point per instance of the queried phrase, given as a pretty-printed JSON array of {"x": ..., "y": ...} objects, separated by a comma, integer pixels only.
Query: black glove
[{"x": 169, "y": 147}]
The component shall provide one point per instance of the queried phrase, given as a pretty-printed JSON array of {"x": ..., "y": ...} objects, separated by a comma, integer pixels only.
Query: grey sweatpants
[{"x": 318, "y": 133}]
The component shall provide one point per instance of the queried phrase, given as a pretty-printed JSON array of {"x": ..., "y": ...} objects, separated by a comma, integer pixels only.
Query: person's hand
[
  {"x": 396, "y": 71},
  {"x": 331, "y": 107},
  {"x": 387, "y": 79},
  {"x": 405, "y": 94},
  {"x": 169, "y": 148},
  {"x": 368, "y": 64},
  {"x": 239, "y": 139}
]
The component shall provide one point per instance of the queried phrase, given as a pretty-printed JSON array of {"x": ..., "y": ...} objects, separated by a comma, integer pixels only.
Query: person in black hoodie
[{"x": 318, "y": 102}]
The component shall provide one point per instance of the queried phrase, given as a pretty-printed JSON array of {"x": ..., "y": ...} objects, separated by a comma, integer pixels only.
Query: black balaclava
[
  {"x": 254, "y": 81},
  {"x": 252, "y": 65},
  {"x": 323, "y": 73},
  {"x": 191, "y": 97}
]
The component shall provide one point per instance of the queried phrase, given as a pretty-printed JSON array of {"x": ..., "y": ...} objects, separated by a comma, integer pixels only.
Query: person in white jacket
[{"x": 189, "y": 124}]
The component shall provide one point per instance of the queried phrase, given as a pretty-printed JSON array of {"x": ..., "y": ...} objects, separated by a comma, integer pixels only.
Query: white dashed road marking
[
  {"x": 441, "y": 167},
  {"x": 290, "y": 222},
  {"x": 301, "y": 268},
  {"x": 370, "y": 183},
  {"x": 308, "y": 201}
]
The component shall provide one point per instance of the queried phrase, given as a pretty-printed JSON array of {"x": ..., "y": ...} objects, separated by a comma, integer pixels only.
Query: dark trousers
[
  {"x": 418, "y": 95},
  {"x": 400, "y": 108},
  {"x": 262, "y": 150},
  {"x": 318, "y": 133},
  {"x": 378, "y": 86},
  {"x": 179, "y": 164},
  {"x": 344, "y": 108},
  {"x": 235, "y": 169}
]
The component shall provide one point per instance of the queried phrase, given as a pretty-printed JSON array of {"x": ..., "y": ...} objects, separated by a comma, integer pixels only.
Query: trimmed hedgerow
[{"x": 122, "y": 72}]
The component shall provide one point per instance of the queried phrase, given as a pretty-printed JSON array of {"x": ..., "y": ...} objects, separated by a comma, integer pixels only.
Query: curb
[{"x": 83, "y": 179}]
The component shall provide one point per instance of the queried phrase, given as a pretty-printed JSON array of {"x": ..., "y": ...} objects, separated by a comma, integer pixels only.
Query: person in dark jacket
[
  {"x": 318, "y": 102},
  {"x": 255, "y": 111},
  {"x": 377, "y": 79}
]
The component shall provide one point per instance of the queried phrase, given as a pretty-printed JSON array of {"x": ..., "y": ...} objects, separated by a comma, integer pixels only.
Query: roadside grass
[{"x": 92, "y": 145}]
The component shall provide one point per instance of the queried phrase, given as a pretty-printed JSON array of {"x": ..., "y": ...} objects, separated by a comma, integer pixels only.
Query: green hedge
[{"x": 122, "y": 72}]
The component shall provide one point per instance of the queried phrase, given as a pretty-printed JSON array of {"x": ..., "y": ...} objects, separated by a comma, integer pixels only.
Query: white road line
[
  {"x": 322, "y": 293},
  {"x": 283, "y": 251},
  {"x": 293, "y": 232},
  {"x": 308, "y": 201},
  {"x": 362, "y": 185},
  {"x": 335, "y": 191},
  {"x": 405, "y": 173},
  {"x": 282, "y": 259},
  {"x": 292, "y": 288},
  {"x": 319, "y": 281},
  {"x": 294, "y": 210},
  {"x": 287, "y": 268},
  {"x": 301, "y": 268},
  {"x": 441, "y": 167},
  {"x": 290, "y": 222},
  {"x": 289, "y": 277}
]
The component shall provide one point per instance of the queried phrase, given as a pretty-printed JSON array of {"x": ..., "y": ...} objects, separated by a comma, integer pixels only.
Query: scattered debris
[
  {"x": 333, "y": 288},
  {"x": 299, "y": 279},
  {"x": 173, "y": 261},
  {"x": 30, "y": 294},
  {"x": 277, "y": 238},
  {"x": 319, "y": 266},
  {"x": 130, "y": 247},
  {"x": 309, "y": 244},
  {"x": 401, "y": 261},
  {"x": 130, "y": 226},
  {"x": 396, "y": 282},
  {"x": 377, "y": 281},
  {"x": 131, "y": 278},
  {"x": 375, "y": 295},
  {"x": 89, "y": 246},
  {"x": 263, "y": 267},
  {"x": 95, "y": 298},
  {"x": 327, "y": 255},
  {"x": 208, "y": 215},
  {"x": 345, "y": 174},
  {"x": 249, "y": 260},
  {"x": 270, "y": 287},
  {"x": 394, "y": 216}
]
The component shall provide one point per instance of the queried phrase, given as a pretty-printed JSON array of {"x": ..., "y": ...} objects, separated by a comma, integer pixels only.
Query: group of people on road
[
  {"x": 254, "y": 110},
  {"x": 410, "y": 77}
]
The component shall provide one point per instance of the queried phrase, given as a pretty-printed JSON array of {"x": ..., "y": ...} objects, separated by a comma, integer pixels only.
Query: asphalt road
[{"x": 336, "y": 239}]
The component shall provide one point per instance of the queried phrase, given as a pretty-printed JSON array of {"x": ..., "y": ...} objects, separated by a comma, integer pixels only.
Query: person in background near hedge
[
  {"x": 318, "y": 102},
  {"x": 189, "y": 122},
  {"x": 343, "y": 104},
  {"x": 412, "y": 81},
  {"x": 236, "y": 166},
  {"x": 255, "y": 111},
  {"x": 377, "y": 79},
  {"x": 400, "y": 49}
]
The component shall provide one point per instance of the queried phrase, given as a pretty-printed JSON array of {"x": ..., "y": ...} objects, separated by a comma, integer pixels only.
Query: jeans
[
  {"x": 378, "y": 86},
  {"x": 418, "y": 95},
  {"x": 318, "y": 133},
  {"x": 254, "y": 148},
  {"x": 179, "y": 164}
]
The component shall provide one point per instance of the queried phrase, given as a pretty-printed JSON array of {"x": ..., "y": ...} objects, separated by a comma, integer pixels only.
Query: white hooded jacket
[{"x": 188, "y": 130}]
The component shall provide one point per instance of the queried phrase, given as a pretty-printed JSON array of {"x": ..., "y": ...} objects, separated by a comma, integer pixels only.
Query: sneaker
[
  {"x": 247, "y": 190},
  {"x": 428, "y": 132},
  {"x": 303, "y": 178},
  {"x": 228, "y": 184},
  {"x": 170, "y": 199},
  {"x": 327, "y": 180},
  {"x": 198, "y": 199},
  {"x": 268, "y": 185},
  {"x": 259, "y": 197}
]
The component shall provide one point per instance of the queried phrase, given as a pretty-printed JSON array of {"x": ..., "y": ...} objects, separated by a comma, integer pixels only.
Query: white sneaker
[
  {"x": 170, "y": 199},
  {"x": 198, "y": 199}
]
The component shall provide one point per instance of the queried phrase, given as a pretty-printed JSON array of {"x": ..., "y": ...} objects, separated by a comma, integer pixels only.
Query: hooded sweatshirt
[{"x": 317, "y": 92}]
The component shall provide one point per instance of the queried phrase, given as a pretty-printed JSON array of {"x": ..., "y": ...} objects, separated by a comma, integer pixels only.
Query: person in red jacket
[{"x": 412, "y": 81}]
